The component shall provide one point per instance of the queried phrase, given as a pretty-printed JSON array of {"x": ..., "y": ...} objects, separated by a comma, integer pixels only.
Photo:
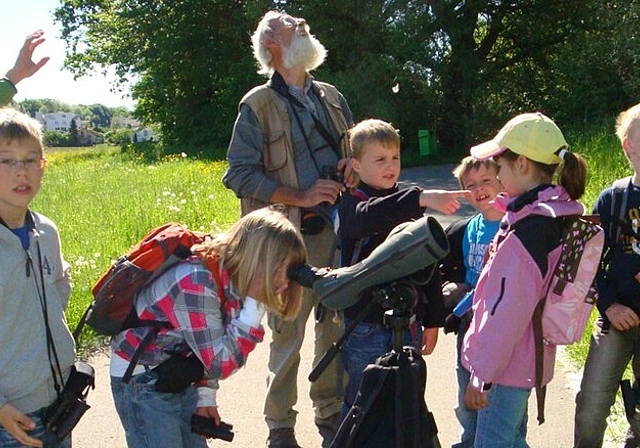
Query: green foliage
[
  {"x": 55, "y": 138},
  {"x": 119, "y": 136},
  {"x": 461, "y": 69},
  {"x": 104, "y": 202},
  {"x": 192, "y": 59}
]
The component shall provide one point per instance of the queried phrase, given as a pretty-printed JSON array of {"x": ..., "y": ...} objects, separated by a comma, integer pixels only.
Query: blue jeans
[
  {"x": 364, "y": 345},
  {"x": 154, "y": 419},
  {"x": 503, "y": 423},
  {"x": 466, "y": 417},
  {"x": 609, "y": 353},
  {"x": 47, "y": 438}
]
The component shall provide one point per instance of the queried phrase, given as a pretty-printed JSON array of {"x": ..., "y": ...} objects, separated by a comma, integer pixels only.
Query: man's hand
[
  {"x": 443, "y": 201},
  {"x": 474, "y": 399},
  {"x": 622, "y": 317},
  {"x": 324, "y": 190},
  {"x": 16, "y": 424},
  {"x": 351, "y": 178},
  {"x": 24, "y": 65}
]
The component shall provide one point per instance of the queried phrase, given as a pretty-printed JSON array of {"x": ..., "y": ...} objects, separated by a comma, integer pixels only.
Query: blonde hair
[
  {"x": 470, "y": 163},
  {"x": 627, "y": 122},
  {"x": 15, "y": 125},
  {"x": 372, "y": 130},
  {"x": 257, "y": 245}
]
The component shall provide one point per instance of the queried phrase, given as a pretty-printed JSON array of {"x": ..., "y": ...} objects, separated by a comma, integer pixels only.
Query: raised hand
[{"x": 24, "y": 65}]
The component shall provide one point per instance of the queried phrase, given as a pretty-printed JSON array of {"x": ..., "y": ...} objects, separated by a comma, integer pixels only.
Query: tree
[
  {"x": 73, "y": 133},
  {"x": 451, "y": 58},
  {"x": 191, "y": 59},
  {"x": 461, "y": 68}
]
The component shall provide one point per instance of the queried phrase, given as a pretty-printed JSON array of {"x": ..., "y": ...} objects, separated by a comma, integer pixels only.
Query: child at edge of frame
[
  {"x": 37, "y": 350},
  {"x": 615, "y": 340}
]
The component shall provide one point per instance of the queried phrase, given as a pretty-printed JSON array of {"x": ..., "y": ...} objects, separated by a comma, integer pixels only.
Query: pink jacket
[{"x": 499, "y": 345}]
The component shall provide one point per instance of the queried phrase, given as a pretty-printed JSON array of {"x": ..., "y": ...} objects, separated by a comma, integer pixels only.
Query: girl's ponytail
[{"x": 573, "y": 173}]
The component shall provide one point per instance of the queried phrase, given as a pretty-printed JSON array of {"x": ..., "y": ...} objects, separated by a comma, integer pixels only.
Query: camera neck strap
[
  {"x": 280, "y": 86},
  {"x": 56, "y": 372}
]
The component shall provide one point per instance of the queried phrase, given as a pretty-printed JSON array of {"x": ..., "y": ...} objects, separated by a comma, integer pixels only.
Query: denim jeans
[
  {"x": 609, "y": 353},
  {"x": 364, "y": 345},
  {"x": 466, "y": 417},
  {"x": 154, "y": 419},
  {"x": 503, "y": 423},
  {"x": 47, "y": 438}
]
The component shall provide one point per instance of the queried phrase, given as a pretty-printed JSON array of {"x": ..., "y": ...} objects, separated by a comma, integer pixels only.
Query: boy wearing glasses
[{"x": 37, "y": 349}]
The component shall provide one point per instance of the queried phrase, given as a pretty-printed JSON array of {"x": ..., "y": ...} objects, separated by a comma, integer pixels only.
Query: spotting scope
[{"x": 409, "y": 248}]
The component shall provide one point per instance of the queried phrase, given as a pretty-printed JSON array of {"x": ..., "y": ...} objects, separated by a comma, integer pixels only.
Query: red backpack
[{"x": 113, "y": 308}]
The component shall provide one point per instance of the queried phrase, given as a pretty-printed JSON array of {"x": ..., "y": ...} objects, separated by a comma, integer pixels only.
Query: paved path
[{"x": 241, "y": 396}]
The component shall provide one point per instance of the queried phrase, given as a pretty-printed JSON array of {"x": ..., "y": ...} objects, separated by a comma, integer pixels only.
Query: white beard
[{"x": 304, "y": 50}]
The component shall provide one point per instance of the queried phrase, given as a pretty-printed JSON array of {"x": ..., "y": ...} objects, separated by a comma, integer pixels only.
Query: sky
[{"x": 52, "y": 81}]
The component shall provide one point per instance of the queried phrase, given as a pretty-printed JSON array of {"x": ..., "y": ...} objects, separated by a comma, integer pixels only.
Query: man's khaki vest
[{"x": 277, "y": 149}]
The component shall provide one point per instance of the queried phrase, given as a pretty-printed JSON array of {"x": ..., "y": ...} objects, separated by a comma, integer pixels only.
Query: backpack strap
[
  {"x": 619, "y": 197},
  {"x": 541, "y": 391},
  {"x": 212, "y": 265},
  {"x": 153, "y": 332}
]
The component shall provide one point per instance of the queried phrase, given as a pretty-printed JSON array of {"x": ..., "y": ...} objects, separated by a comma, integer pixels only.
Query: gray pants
[
  {"x": 327, "y": 391},
  {"x": 609, "y": 354}
]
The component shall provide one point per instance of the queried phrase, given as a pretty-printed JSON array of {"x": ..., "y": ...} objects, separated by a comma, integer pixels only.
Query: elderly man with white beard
[{"x": 289, "y": 150}]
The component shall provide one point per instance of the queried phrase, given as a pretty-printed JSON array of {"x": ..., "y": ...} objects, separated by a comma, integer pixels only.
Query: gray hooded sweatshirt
[{"x": 26, "y": 380}]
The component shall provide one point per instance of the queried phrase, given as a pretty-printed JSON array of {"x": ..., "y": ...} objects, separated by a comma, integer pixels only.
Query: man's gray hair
[{"x": 263, "y": 32}]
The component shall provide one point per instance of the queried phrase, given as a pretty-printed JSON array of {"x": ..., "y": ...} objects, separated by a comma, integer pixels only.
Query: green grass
[{"x": 103, "y": 202}]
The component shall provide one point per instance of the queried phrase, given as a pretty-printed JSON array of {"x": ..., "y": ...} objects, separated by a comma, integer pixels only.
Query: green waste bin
[{"x": 427, "y": 142}]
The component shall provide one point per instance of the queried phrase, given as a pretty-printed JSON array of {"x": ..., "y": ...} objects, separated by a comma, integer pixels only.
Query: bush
[{"x": 55, "y": 139}]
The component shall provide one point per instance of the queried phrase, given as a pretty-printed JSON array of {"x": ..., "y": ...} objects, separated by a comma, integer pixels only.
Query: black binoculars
[{"x": 207, "y": 427}]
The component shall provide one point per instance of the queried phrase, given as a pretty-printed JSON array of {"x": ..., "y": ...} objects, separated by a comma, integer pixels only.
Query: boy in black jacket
[{"x": 364, "y": 219}]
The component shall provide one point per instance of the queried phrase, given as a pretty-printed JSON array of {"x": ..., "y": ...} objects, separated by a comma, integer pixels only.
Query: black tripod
[{"x": 390, "y": 409}]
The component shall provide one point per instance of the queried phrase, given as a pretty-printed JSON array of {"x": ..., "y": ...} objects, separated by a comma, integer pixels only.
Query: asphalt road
[{"x": 241, "y": 396}]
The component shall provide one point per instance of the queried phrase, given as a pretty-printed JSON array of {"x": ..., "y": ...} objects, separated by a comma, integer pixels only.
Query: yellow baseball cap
[{"x": 532, "y": 135}]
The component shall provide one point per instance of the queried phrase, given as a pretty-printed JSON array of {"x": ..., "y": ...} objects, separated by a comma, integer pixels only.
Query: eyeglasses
[{"x": 28, "y": 164}]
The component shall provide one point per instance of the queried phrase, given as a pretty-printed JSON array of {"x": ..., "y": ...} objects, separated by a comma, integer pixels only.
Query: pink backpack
[{"x": 571, "y": 292}]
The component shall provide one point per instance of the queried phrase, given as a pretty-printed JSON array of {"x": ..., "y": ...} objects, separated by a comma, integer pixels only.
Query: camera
[
  {"x": 65, "y": 413},
  {"x": 207, "y": 427},
  {"x": 331, "y": 173},
  {"x": 315, "y": 218}
]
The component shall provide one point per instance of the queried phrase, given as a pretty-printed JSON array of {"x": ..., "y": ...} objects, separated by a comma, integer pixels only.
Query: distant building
[
  {"x": 87, "y": 137},
  {"x": 143, "y": 135},
  {"x": 124, "y": 121},
  {"x": 58, "y": 121}
]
